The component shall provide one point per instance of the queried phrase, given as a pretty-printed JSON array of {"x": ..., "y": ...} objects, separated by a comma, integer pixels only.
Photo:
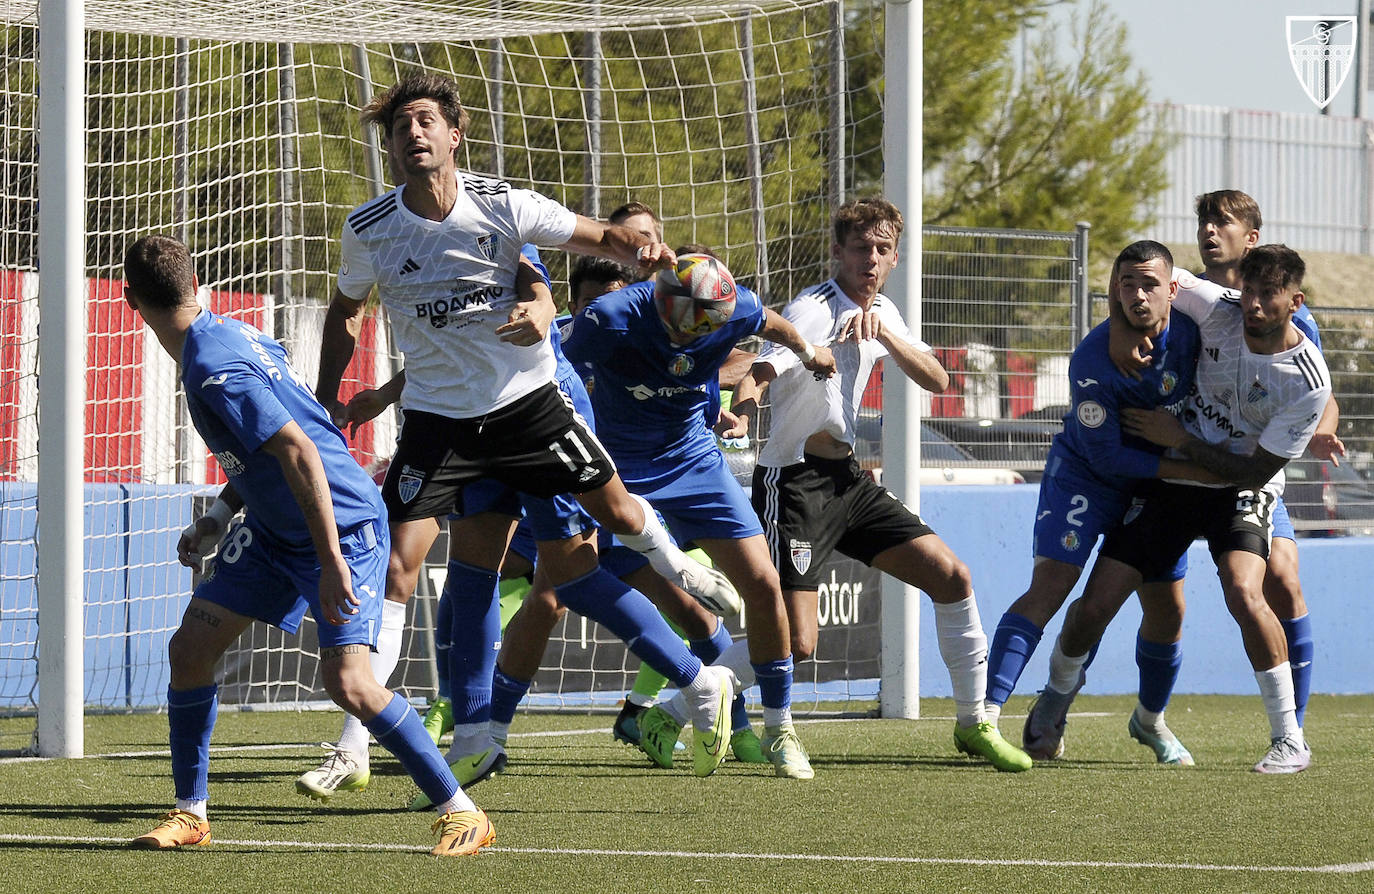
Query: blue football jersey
[
  {"x": 1092, "y": 437},
  {"x": 242, "y": 390},
  {"x": 654, "y": 400}
]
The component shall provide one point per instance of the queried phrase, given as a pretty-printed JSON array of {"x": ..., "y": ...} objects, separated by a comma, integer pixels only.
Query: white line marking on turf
[{"x": 1331, "y": 868}]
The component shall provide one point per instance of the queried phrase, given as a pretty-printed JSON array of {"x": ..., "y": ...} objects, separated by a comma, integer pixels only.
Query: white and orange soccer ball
[{"x": 695, "y": 296}]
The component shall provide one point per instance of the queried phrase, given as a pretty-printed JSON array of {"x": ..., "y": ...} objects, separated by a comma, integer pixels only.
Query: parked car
[
  {"x": 1326, "y": 500},
  {"x": 1020, "y": 444}
]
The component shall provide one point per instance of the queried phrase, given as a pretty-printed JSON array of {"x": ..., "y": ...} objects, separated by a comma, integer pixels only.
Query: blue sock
[
  {"x": 1013, "y": 643},
  {"x": 1159, "y": 664},
  {"x": 506, "y": 693},
  {"x": 775, "y": 682},
  {"x": 443, "y": 641},
  {"x": 709, "y": 649},
  {"x": 630, "y": 615},
  {"x": 191, "y": 718},
  {"x": 475, "y": 637},
  {"x": 1298, "y": 632},
  {"x": 400, "y": 730}
]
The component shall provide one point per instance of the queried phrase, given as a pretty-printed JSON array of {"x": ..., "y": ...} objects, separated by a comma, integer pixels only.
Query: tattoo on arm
[
  {"x": 1243, "y": 470},
  {"x": 334, "y": 652}
]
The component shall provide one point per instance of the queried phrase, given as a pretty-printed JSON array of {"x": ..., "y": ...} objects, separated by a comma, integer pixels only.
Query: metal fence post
[{"x": 1082, "y": 298}]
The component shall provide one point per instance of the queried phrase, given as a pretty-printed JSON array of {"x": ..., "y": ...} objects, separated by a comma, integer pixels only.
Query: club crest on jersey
[
  {"x": 1133, "y": 512},
  {"x": 1168, "y": 382},
  {"x": 1256, "y": 393},
  {"x": 801, "y": 555},
  {"x": 488, "y": 245},
  {"x": 1070, "y": 541},
  {"x": 681, "y": 365},
  {"x": 409, "y": 483},
  {"x": 1321, "y": 50}
]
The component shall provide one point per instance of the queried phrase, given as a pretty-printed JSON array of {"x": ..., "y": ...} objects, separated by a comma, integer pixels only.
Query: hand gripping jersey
[
  {"x": 654, "y": 400},
  {"x": 447, "y": 285},
  {"x": 802, "y": 405},
  {"x": 1240, "y": 399},
  {"x": 241, "y": 390},
  {"x": 1092, "y": 443}
]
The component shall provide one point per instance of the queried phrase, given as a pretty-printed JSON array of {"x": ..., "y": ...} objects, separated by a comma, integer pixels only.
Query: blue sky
[{"x": 1223, "y": 52}]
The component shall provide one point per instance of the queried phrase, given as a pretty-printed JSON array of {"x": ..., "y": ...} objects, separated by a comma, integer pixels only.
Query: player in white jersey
[
  {"x": 1260, "y": 391},
  {"x": 442, "y": 251},
  {"x": 1228, "y": 226},
  {"x": 809, "y": 491}
]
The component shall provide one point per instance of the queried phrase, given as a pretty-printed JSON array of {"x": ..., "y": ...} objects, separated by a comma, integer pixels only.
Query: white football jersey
[
  {"x": 448, "y": 284},
  {"x": 803, "y": 406},
  {"x": 1241, "y": 399}
]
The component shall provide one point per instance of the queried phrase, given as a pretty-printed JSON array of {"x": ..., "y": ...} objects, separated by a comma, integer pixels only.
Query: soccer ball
[{"x": 695, "y": 296}]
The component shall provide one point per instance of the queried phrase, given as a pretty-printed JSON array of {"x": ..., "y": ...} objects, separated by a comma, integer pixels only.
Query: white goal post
[{"x": 233, "y": 124}]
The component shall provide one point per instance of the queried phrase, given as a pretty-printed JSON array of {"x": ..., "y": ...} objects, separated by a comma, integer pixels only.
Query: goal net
[{"x": 234, "y": 125}]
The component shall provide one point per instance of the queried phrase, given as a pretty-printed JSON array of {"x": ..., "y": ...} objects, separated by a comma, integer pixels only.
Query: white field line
[
  {"x": 1328, "y": 869},
  {"x": 544, "y": 734}
]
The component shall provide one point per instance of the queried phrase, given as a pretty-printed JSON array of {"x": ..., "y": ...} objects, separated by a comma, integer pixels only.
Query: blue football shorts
[
  {"x": 1074, "y": 511},
  {"x": 699, "y": 499},
  {"x": 258, "y": 576}
]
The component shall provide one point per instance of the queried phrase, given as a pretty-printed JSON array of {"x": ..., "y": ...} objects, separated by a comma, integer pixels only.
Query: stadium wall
[{"x": 990, "y": 529}]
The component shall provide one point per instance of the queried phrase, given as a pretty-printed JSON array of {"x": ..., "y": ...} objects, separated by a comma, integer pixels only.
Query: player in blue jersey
[
  {"x": 1228, "y": 226},
  {"x": 314, "y": 536},
  {"x": 656, "y": 398},
  {"x": 1092, "y": 465}
]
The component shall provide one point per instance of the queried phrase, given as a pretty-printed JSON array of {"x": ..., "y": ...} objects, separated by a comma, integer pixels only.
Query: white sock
[
  {"x": 676, "y": 707},
  {"x": 469, "y": 738},
  {"x": 195, "y": 807},
  {"x": 500, "y": 732},
  {"x": 655, "y": 545},
  {"x": 992, "y": 712},
  {"x": 1276, "y": 689},
  {"x": 964, "y": 647},
  {"x": 1151, "y": 720},
  {"x": 1064, "y": 669},
  {"x": 775, "y": 719},
  {"x": 459, "y": 801},
  {"x": 355, "y": 738},
  {"x": 643, "y": 701}
]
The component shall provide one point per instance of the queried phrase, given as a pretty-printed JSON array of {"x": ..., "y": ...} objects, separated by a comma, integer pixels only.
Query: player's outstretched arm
[
  {"x": 342, "y": 324},
  {"x": 817, "y": 358},
  {"x": 1163, "y": 428},
  {"x": 304, "y": 473},
  {"x": 620, "y": 244},
  {"x": 745, "y": 405}
]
